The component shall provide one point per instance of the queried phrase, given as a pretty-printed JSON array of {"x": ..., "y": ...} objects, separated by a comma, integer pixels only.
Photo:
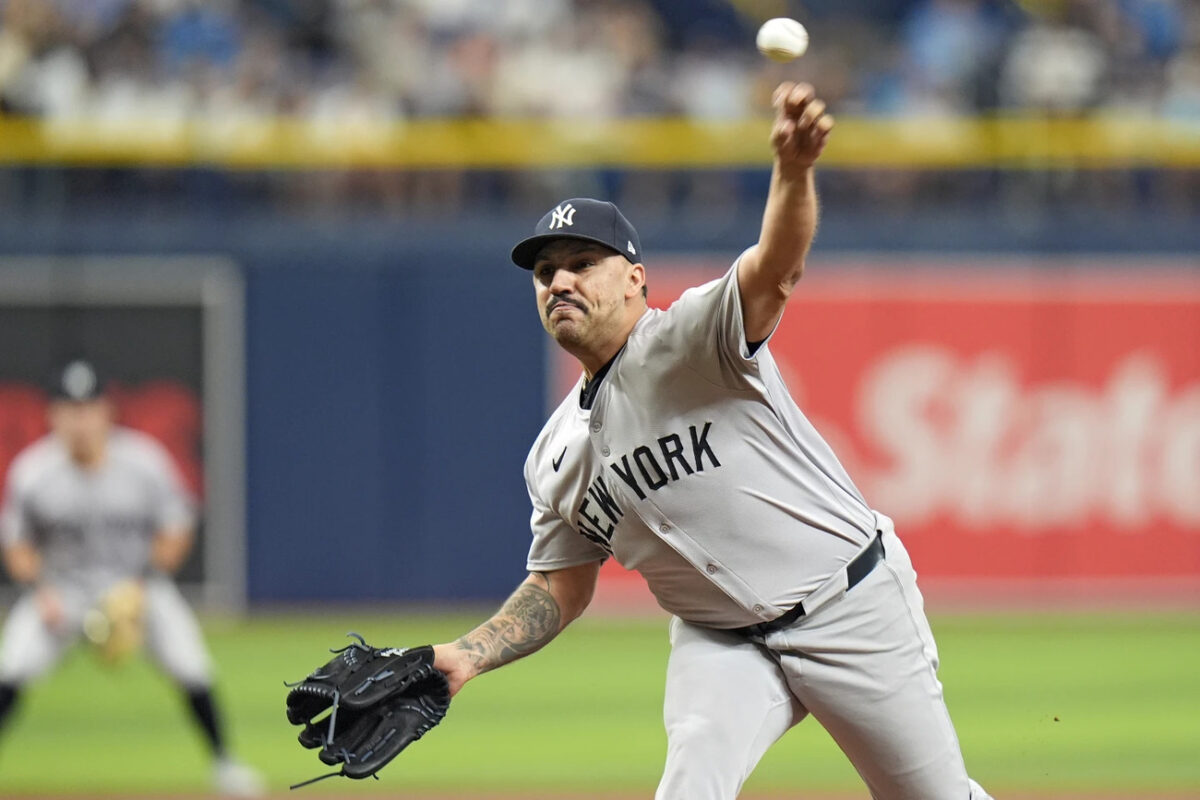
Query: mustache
[{"x": 555, "y": 302}]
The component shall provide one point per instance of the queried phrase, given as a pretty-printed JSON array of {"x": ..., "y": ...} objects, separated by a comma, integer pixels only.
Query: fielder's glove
[
  {"x": 379, "y": 701},
  {"x": 114, "y": 625}
]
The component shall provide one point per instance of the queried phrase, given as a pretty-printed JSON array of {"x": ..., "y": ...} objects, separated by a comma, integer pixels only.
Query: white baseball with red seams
[{"x": 782, "y": 39}]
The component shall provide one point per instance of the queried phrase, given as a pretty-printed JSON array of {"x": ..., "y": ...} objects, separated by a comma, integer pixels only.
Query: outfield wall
[{"x": 395, "y": 375}]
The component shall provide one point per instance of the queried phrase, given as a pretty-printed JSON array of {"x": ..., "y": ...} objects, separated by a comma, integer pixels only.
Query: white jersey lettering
[{"x": 725, "y": 533}]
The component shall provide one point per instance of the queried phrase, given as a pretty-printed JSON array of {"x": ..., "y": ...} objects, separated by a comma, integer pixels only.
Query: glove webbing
[{"x": 327, "y": 740}]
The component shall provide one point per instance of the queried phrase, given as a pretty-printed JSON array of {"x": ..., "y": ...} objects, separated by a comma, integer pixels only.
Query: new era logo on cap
[{"x": 580, "y": 218}]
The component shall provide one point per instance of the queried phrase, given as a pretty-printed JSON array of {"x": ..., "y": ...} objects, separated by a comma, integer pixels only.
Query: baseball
[{"x": 782, "y": 39}]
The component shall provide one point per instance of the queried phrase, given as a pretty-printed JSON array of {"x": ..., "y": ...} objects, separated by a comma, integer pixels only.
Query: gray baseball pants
[
  {"x": 174, "y": 641},
  {"x": 863, "y": 664}
]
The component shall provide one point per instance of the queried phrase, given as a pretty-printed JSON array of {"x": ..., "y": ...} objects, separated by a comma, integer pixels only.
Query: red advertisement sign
[{"x": 1018, "y": 420}]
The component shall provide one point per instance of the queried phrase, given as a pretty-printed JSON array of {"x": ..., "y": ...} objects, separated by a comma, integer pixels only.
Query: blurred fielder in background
[
  {"x": 95, "y": 521},
  {"x": 682, "y": 454}
]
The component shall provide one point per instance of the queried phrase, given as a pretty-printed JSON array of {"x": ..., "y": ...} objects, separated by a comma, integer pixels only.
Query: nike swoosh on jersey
[{"x": 557, "y": 462}]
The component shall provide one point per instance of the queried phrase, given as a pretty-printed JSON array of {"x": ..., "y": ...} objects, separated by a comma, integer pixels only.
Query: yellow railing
[{"x": 280, "y": 143}]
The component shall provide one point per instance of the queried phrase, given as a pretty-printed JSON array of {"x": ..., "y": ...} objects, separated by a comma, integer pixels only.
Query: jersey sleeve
[
  {"x": 14, "y": 515},
  {"x": 556, "y": 545},
  {"x": 706, "y": 326},
  {"x": 174, "y": 508}
]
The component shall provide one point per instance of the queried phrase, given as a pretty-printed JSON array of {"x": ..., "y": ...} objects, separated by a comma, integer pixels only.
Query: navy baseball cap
[
  {"x": 78, "y": 381},
  {"x": 581, "y": 218}
]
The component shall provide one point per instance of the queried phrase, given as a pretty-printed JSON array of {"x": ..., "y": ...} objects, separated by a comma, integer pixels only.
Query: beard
[
  {"x": 569, "y": 333},
  {"x": 570, "y": 328}
]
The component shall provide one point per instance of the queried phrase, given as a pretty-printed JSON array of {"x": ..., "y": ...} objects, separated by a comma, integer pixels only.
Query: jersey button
[
  {"x": 757, "y": 609},
  {"x": 664, "y": 528},
  {"x": 604, "y": 451},
  {"x": 711, "y": 569},
  {"x": 596, "y": 426}
]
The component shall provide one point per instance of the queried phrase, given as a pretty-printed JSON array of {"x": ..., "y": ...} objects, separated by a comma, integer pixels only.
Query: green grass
[{"x": 1084, "y": 704}]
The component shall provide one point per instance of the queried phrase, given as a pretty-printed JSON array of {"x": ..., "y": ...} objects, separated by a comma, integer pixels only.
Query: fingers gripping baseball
[{"x": 801, "y": 125}]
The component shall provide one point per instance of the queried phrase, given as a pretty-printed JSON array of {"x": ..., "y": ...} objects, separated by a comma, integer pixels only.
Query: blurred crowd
[
  {"x": 360, "y": 62},
  {"x": 366, "y": 59}
]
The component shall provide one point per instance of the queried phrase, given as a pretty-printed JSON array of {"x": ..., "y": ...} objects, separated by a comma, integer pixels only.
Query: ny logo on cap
[
  {"x": 79, "y": 379},
  {"x": 563, "y": 215}
]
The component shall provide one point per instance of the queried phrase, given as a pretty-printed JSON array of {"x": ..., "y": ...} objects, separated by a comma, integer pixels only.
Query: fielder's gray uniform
[
  {"x": 694, "y": 466},
  {"x": 94, "y": 528}
]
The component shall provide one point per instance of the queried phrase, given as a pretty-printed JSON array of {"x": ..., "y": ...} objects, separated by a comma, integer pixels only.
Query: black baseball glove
[{"x": 379, "y": 701}]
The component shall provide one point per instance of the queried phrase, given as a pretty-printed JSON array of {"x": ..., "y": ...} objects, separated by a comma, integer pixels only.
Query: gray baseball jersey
[
  {"x": 695, "y": 467},
  {"x": 93, "y": 528}
]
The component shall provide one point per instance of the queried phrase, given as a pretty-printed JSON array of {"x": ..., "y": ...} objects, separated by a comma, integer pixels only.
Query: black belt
[{"x": 858, "y": 568}]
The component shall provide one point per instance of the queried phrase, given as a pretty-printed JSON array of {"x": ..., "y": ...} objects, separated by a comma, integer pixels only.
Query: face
[
  {"x": 583, "y": 290},
  {"x": 83, "y": 426}
]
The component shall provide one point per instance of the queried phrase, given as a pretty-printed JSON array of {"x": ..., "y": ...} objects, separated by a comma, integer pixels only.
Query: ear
[{"x": 637, "y": 279}]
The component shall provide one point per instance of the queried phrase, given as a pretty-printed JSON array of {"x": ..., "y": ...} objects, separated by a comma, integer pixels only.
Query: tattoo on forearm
[{"x": 527, "y": 621}]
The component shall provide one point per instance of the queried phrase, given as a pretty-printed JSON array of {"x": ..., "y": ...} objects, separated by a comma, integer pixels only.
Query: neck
[
  {"x": 592, "y": 358},
  {"x": 88, "y": 455}
]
